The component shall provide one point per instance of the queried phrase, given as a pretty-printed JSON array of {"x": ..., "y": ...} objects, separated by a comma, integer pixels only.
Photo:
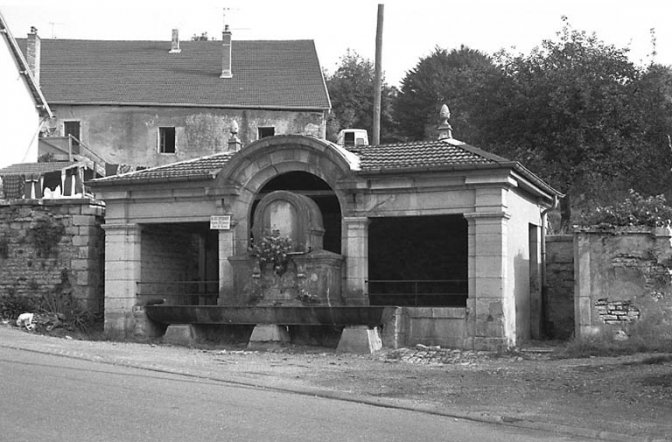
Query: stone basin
[{"x": 318, "y": 315}]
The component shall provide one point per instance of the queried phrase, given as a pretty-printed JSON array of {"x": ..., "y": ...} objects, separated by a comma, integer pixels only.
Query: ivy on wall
[
  {"x": 4, "y": 246},
  {"x": 45, "y": 235}
]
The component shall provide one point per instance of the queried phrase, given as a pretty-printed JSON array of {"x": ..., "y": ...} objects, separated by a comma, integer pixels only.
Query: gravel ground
[{"x": 615, "y": 398}]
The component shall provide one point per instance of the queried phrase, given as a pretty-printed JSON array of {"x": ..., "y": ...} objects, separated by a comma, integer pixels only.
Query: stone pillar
[
  {"x": 226, "y": 286},
  {"x": 122, "y": 272},
  {"x": 583, "y": 288},
  {"x": 356, "y": 252},
  {"x": 491, "y": 303},
  {"x": 536, "y": 319}
]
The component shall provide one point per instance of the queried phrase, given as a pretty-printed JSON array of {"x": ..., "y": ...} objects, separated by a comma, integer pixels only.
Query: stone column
[
  {"x": 226, "y": 286},
  {"x": 536, "y": 319},
  {"x": 122, "y": 272},
  {"x": 583, "y": 287},
  {"x": 356, "y": 252},
  {"x": 491, "y": 303}
]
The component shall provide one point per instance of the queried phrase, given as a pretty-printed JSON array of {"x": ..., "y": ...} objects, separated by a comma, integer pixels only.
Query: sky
[{"x": 411, "y": 29}]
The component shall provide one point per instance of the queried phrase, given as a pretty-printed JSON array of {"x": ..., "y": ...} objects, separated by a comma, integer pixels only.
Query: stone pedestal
[
  {"x": 181, "y": 334},
  {"x": 267, "y": 335},
  {"x": 360, "y": 339}
]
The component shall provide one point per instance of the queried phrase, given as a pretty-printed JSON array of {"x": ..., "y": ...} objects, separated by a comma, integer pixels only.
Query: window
[
  {"x": 166, "y": 140},
  {"x": 266, "y": 132},
  {"x": 72, "y": 128}
]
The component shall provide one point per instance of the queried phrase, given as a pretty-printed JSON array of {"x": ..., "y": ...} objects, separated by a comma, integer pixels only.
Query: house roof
[
  {"x": 266, "y": 74},
  {"x": 36, "y": 168},
  {"x": 34, "y": 87},
  {"x": 421, "y": 156}
]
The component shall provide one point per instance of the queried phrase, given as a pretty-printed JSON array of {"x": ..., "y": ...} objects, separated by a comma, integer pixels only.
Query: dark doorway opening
[
  {"x": 319, "y": 191},
  {"x": 418, "y": 261}
]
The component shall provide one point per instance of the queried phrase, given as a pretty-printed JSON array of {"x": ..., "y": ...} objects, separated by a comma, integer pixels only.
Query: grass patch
[
  {"x": 662, "y": 380},
  {"x": 610, "y": 348}
]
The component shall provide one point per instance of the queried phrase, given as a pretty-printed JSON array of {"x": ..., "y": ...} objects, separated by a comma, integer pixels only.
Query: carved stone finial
[
  {"x": 445, "y": 114},
  {"x": 234, "y": 142},
  {"x": 445, "y": 129}
]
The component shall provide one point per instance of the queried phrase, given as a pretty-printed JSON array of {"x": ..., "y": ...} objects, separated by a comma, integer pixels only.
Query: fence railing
[
  {"x": 418, "y": 292},
  {"x": 178, "y": 292}
]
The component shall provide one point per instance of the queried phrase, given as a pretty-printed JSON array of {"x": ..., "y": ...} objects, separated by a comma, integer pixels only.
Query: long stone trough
[
  {"x": 361, "y": 325},
  {"x": 319, "y": 315}
]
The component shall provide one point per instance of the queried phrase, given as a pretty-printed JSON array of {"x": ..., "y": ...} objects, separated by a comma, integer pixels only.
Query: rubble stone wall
[
  {"x": 623, "y": 284},
  {"x": 559, "y": 296},
  {"x": 49, "y": 245}
]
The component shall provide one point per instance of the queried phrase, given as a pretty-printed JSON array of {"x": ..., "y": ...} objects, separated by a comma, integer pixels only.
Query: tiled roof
[
  {"x": 266, "y": 74},
  {"x": 416, "y": 155},
  {"x": 198, "y": 168},
  {"x": 422, "y": 155},
  {"x": 35, "y": 168}
]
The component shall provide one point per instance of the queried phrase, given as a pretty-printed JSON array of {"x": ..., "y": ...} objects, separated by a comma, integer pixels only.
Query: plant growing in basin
[{"x": 275, "y": 250}]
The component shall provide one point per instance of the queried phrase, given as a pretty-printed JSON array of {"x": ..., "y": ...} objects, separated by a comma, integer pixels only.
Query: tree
[
  {"x": 459, "y": 78},
  {"x": 351, "y": 90},
  {"x": 578, "y": 112}
]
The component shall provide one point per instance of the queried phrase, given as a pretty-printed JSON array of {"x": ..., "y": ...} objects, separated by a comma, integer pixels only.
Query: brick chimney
[
  {"x": 175, "y": 43},
  {"x": 33, "y": 53},
  {"x": 226, "y": 53}
]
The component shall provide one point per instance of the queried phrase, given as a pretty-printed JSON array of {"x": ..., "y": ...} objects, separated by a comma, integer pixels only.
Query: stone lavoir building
[{"x": 447, "y": 233}]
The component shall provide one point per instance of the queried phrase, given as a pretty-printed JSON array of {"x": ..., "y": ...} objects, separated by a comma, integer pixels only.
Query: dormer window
[
  {"x": 166, "y": 140},
  {"x": 266, "y": 132}
]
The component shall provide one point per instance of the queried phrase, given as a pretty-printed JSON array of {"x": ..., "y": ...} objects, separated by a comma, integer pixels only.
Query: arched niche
[
  {"x": 244, "y": 177},
  {"x": 291, "y": 215}
]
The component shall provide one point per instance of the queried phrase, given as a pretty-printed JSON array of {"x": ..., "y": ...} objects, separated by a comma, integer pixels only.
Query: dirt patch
[{"x": 627, "y": 394}]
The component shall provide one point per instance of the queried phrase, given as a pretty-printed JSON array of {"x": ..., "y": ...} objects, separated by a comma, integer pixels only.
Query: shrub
[
  {"x": 635, "y": 210},
  {"x": 60, "y": 303},
  {"x": 12, "y": 305}
]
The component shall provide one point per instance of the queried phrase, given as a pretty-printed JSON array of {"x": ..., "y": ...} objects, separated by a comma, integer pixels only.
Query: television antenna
[
  {"x": 225, "y": 13},
  {"x": 53, "y": 24}
]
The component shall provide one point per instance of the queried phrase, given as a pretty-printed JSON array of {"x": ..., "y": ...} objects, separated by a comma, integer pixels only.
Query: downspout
[{"x": 544, "y": 292}]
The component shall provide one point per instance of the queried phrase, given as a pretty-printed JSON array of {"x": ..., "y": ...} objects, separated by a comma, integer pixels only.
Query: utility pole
[{"x": 378, "y": 80}]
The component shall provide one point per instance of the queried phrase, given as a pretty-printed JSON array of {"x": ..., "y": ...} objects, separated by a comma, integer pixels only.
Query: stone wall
[
  {"x": 623, "y": 284},
  {"x": 198, "y": 131},
  {"x": 50, "y": 245},
  {"x": 559, "y": 296}
]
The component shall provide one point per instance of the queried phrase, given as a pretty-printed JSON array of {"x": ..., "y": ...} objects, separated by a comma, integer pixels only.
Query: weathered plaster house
[
  {"x": 449, "y": 232},
  {"x": 148, "y": 103},
  {"x": 23, "y": 108}
]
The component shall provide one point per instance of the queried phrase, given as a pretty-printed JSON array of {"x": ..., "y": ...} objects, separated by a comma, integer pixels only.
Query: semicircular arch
[{"x": 257, "y": 164}]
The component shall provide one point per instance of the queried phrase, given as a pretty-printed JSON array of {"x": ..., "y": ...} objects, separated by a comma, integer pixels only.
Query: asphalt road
[{"x": 50, "y": 398}]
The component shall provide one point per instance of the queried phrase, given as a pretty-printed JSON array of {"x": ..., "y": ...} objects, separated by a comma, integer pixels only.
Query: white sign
[{"x": 222, "y": 222}]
